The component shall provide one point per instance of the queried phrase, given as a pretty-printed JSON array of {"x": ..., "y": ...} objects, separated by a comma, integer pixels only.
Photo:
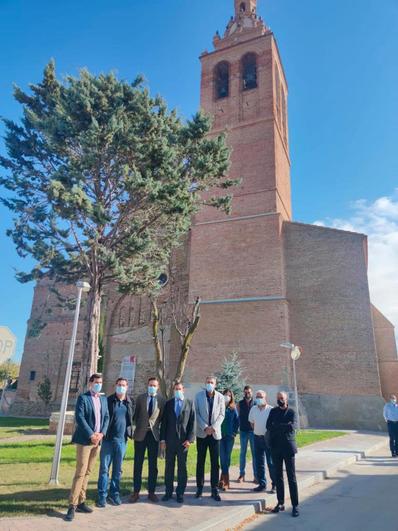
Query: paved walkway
[
  {"x": 362, "y": 497},
  {"x": 314, "y": 463}
]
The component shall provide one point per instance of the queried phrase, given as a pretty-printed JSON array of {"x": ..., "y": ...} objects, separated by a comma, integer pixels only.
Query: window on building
[
  {"x": 242, "y": 7},
  {"x": 249, "y": 71},
  {"x": 222, "y": 80},
  {"x": 75, "y": 377},
  {"x": 32, "y": 376}
]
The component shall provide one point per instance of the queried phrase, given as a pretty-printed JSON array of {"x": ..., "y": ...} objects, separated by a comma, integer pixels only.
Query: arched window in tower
[
  {"x": 242, "y": 7},
  {"x": 249, "y": 71},
  {"x": 221, "y": 76}
]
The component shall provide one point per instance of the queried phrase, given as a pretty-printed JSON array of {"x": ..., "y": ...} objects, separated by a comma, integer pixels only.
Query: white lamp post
[
  {"x": 295, "y": 354},
  {"x": 81, "y": 286}
]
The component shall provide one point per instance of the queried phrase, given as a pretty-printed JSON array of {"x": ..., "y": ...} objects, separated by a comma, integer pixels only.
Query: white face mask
[
  {"x": 227, "y": 399},
  {"x": 393, "y": 400}
]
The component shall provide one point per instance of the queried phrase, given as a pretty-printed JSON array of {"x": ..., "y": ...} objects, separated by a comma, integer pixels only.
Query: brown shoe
[
  {"x": 152, "y": 497},
  {"x": 221, "y": 483},
  {"x": 134, "y": 497},
  {"x": 241, "y": 479}
]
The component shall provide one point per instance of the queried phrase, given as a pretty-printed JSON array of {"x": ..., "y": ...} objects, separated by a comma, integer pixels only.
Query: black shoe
[
  {"x": 215, "y": 495},
  {"x": 101, "y": 504},
  {"x": 260, "y": 488},
  {"x": 70, "y": 514},
  {"x": 167, "y": 497},
  {"x": 278, "y": 508},
  {"x": 83, "y": 508},
  {"x": 295, "y": 512},
  {"x": 180, "y": 498},
  {"x": 199, "y": 493},
  {"x": 393, "y": 455}
]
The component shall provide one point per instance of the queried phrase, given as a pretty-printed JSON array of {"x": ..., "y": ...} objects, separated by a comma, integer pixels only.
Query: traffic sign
[{"x": 8, "y": 343}]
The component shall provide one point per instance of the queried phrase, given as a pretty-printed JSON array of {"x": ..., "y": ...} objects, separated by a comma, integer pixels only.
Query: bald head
[{"x": 281, "y": 398}]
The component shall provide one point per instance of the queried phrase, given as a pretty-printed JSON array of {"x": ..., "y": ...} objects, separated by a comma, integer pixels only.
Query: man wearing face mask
[
  {"x": 258, "y": 417},
  {"x": 281, "y": 425},
  {"x": 246, "y": 433},
  {"x": 92, "y": 419},
  {"x": 390, "y": 413},
  {"x": 147, "y": 418},
  {"x": 113, "y": 447},
  {"x": 210, "y": 413},
  {"x": 177, "y": 433}
]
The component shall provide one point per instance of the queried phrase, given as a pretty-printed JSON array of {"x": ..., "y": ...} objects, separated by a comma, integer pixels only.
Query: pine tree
[
  {"x": 231, "y": 376},
  {"x": 103, "y": 181}
]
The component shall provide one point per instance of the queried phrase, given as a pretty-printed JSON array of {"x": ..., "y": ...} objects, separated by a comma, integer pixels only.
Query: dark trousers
[
  {"x": 263, "y": 453},
  {"x": 175, "y": 450},
  {"x": 210, "y": 443},
  {"x": 393, "y": 433},
  {"x": 290, "y": 464},
  {"x": 140, "y": 447}
]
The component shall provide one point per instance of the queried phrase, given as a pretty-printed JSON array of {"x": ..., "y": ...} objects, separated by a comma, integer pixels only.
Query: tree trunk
[
  {"x": 159, "y": 354},
  {"x": 91, "y": 335}
]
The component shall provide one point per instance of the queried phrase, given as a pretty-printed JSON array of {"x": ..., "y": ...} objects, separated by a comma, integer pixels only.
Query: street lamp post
[
  {"x": 81, "y": 287},
  {"x": 295, "y": 354}
]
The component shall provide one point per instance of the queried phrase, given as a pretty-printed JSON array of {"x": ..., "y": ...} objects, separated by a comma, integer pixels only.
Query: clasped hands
[
  {"x": 209, "y": 430},
  {"x": 186, "y": 444},
  {"x": 96, "y": 438}
]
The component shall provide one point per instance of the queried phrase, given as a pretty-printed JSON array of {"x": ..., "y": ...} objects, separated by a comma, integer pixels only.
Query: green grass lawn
[
  {"x": 12, "y": 426},
  {"x": 25, "y": 469}
]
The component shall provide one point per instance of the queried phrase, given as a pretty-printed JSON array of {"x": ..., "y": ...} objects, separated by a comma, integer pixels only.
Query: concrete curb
[{"x": 236, "y": 516}]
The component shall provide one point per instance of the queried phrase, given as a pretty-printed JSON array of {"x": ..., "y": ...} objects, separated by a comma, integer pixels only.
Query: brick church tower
[
  {"x": 263, "y": 278},
  {"x": 236, "y": 261}
]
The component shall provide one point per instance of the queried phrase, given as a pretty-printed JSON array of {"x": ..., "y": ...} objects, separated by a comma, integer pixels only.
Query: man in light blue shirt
[{"x": 390, "y": 413}]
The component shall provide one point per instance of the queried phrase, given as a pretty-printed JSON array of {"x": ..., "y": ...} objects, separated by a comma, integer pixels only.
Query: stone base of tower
[{"x": 344, "y": 411}]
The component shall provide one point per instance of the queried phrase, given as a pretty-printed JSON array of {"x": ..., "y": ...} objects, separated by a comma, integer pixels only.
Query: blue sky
[{"x": 341, "y": 63}]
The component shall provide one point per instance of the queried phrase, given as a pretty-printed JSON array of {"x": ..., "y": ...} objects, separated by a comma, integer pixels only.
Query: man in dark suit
[
  {"x": 147, "y": 418},
  {"x": 177, "y": 433},
  {"x": 281, "y": 426},
  {"x": 92, "y": 419}
]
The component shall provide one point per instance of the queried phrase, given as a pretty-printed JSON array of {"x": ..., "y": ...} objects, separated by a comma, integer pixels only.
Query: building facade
[{"x": 263, "y": 279}]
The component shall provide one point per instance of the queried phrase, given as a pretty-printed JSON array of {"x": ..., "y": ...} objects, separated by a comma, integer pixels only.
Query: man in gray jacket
[{"x": 210, "y": 413}]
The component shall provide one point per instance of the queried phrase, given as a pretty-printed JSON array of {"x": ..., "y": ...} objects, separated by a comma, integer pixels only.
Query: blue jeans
[
  {"x": 263, "y": 453},
  {"x": 112, "y": 453},
  {"x": 226, "y": 446},
  {"x": 245, "y": 438}
]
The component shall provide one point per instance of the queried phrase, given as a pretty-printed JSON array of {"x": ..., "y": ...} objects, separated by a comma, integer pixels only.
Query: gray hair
[{"x": 262, "y": 392}]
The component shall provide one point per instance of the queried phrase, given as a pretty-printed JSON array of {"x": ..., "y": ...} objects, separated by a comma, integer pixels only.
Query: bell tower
[{"x": 236, "y": 262}]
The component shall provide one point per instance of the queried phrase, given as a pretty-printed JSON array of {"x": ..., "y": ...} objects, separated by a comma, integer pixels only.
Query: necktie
[
  {"x": 178, "y": 408},
  {"x": 150, "y": 407}
]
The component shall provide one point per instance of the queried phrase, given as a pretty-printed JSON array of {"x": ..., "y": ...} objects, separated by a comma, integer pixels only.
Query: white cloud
[{"x": 379, "y": 220}]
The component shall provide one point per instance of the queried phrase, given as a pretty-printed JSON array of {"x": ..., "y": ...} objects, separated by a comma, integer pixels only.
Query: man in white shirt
[
  {"x": 258, "y": 417},
  {"x": 390, "y": 413}
]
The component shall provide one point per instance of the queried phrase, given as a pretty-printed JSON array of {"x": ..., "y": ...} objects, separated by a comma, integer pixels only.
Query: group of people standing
[{"x": 169, "y": 428}]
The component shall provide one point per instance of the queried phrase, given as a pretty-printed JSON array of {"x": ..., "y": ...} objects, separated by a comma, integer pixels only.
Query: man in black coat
[
  {"x": 114, "y": 445},
  {"x": 281, "y": 427},
  {"x": 177, "y": 433}
]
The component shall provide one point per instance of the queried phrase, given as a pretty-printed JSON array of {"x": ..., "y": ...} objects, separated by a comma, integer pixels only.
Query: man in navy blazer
[{"x": 92, "y": 420}]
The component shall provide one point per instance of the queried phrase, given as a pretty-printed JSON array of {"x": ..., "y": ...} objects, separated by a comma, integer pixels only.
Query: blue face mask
[
  {"x": 209, "y": 387},
  {"x": 121, "y": 389},
  {"x": 152, "y": 390},
  {"x": 260, "y": 401},
  {"x": 96, "y": 388},
  {"x": 179, "y": 394}
]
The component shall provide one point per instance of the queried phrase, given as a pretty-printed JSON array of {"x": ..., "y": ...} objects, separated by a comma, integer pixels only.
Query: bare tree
[{"x": 184, "y": 320}]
